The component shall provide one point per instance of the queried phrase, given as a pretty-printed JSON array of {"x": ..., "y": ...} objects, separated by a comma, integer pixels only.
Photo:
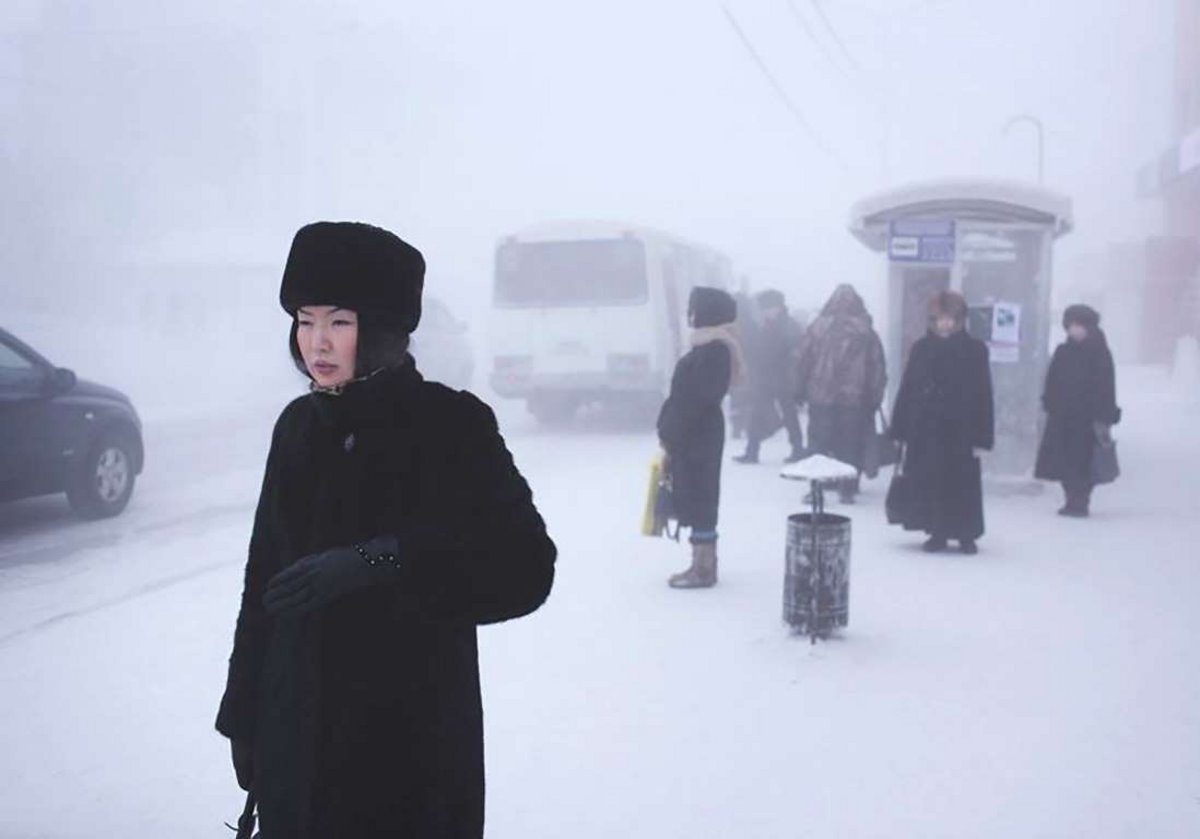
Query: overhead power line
[
  {"x": 779, "y": 91},
  {"x": 834, "y": 35},
  {"x": 812, "y": 36}
]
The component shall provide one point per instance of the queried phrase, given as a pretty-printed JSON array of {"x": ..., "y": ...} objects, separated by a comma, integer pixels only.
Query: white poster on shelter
[
  {"x": 1006, "y": 323},
  {"x": 1005, "y": 343}
]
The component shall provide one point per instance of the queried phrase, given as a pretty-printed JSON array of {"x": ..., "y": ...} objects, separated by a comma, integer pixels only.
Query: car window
[{"x": 16, "y": 369}]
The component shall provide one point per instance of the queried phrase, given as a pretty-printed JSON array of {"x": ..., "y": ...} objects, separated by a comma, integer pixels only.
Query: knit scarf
[{"x": 727, "y": 336}]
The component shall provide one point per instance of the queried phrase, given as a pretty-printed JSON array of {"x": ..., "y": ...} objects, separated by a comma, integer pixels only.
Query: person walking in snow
[
  {"x": 841, "y": 375},
  {"x": 772, "y": 358},
  {"x": 691, "y": 427},
  {"x": 944, "y": 415},
  {"x": 741, "y": 396},
  {"x": 392, "y": 521},
  {"x": 1080, "y": 398}
]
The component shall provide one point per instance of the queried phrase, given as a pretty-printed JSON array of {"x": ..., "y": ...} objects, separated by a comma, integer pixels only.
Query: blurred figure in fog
[
  {"x": 841, "y": 375},
  {"x": 691, "y": 427},
  {"x": 741, "y": 396},
  {"x": 772, "y": 358},
  {"x": 944, "y": 415},
  {"x": 1080, "y": 398},
  {"x": 391, "y": 522}
]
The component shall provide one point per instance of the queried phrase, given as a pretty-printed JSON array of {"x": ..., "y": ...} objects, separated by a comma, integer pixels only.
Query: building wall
[
  {"x": 1187, "y": 66},
  {"x": 1172, "y": 291}
]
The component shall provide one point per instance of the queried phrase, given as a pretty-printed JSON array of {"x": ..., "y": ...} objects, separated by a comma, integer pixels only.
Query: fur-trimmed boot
[{"x": 703, "y": 571}]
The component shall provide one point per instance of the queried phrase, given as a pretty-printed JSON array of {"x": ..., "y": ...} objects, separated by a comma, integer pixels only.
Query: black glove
[
  {"x": 243, "y": 763},
  {"x": 317, "y": 580}
]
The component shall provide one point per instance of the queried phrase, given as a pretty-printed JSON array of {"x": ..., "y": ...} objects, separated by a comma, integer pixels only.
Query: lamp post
[{"x": 1037, "y": 124}]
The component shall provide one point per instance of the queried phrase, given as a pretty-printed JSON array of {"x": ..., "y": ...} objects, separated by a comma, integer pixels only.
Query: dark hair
[
  {"x": 949, "y": 304},
  {"x": 381, "y": 344}
]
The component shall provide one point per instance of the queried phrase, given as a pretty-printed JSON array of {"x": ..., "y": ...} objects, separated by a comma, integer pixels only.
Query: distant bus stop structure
[{"x": 993, "y": 242}]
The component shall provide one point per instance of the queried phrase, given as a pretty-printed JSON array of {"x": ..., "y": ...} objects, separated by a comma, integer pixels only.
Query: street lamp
[{"x": 1036, "y": 123}]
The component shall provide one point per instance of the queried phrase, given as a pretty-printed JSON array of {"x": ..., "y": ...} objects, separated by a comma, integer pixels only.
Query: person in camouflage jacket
[{"x": 842, "y": 376}]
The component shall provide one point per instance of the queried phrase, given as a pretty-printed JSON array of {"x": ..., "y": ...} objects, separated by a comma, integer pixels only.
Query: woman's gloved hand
[
  {"x": 1103, "y": 433},
  {"x": 319, "y": 579},
  {"x": 243, "y": 763}
]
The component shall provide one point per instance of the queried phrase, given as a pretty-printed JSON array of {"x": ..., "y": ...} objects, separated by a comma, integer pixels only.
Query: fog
[
  {"x": 155, "y": 162},
  {"x": 140, "y": 133}
]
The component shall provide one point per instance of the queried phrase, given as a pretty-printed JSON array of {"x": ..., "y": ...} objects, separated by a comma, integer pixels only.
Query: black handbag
[
  {"x": 664, "y": 506},
  {"x": 880, "y": 450},
  {"x": 1105, "y": 468},
  {"x": 899, "y": 494}
]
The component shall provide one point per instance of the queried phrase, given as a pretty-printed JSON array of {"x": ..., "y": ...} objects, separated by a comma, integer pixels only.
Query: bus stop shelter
[{"x": 993, "y": 242}]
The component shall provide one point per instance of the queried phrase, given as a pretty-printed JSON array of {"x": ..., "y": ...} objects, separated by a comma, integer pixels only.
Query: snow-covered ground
[{"x": 1047, "y": 687}]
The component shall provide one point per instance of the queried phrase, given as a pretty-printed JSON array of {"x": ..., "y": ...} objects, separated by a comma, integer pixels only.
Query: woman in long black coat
[
  {"x": 691, "y": 427},
  {"x": 1080, "y": 399},
  {"x": 943, "y": 415},
  {"x": 391, "y": 522}
]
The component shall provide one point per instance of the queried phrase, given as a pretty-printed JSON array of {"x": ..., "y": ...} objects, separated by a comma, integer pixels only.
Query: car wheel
[{"x": 104, "y": 484}]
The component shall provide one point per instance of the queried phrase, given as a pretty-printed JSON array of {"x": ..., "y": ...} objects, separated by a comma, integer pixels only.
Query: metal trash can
[{"x": 816, "y": 583}]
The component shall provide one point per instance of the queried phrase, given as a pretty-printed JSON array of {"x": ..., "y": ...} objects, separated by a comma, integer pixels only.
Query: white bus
[{"x": 593, "y": 312}]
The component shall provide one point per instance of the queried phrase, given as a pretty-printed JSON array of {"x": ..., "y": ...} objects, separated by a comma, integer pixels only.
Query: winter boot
[
  {"x": 1077, "y": 502},
  {"x": 968, "y": 546},
  {"x": 751, "y": 454},
  {"x": 934, "y": 545},
  {"x": 797, "y": 455},
  {"x": 703, "y": 570}
]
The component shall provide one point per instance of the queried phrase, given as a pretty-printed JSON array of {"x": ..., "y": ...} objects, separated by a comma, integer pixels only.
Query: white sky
[{"x": 204, "y": 127}]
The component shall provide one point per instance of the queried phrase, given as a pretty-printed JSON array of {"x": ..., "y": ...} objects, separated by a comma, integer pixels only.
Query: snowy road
[{"x": 1048, "y": 687}]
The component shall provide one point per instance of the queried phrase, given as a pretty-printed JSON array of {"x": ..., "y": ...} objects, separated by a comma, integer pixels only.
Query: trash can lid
[{"x": 818, "y": 468}]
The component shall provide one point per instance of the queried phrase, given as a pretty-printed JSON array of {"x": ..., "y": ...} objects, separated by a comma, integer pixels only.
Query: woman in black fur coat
[
  {"x": 944, "y": 416},
  {"x": 1080, "y": 399},
  {"x": 391, "y": 523}
]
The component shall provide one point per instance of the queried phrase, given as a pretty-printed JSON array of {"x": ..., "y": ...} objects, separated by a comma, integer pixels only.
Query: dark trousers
[
  {"x": 769, "y": 412},
  {"x": 841, "y": 432}
]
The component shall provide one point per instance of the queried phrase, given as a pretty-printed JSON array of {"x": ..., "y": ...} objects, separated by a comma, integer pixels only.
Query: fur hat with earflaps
[
  {"x": 1083, "y": 315},
  {"x": 708, "y": 307},
  {"x": 771, "y": 299},
  {"x": 355, "y": 266}
]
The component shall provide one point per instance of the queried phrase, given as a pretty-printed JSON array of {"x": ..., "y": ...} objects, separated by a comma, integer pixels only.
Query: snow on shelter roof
[{"x": 968, "y": 199}]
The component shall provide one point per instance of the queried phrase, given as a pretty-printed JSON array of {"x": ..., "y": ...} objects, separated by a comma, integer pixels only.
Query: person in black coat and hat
[
  {"x": 691, "y": 427},
  {"x": 1080, "y": 398},
  {"x": 944, "y": 415},
  {"x": 772, "y": 356},
  {"x": 392, "y": 521}
]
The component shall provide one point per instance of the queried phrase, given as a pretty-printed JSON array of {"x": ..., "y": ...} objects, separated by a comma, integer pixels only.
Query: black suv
[{"x": 59, "y": 433}]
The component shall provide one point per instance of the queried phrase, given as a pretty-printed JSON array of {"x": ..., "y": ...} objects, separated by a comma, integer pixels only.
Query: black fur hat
[
  {"x": 355, "y": 266},
  {"x": 771, "y": 298},
  {"x": 711, "y": 307},
  {"x": 1083, "y": 315}
]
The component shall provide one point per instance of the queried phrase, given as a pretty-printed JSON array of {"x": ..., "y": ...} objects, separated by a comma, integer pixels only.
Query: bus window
[{"x": 601, "y": 272}]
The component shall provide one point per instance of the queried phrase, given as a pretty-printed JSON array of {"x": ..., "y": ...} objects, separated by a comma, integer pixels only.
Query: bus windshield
[{"x": 599, "y": 272}]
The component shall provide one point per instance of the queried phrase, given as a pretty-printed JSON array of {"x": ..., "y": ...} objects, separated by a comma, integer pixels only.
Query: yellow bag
[{"x": 654, "y": 522}]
